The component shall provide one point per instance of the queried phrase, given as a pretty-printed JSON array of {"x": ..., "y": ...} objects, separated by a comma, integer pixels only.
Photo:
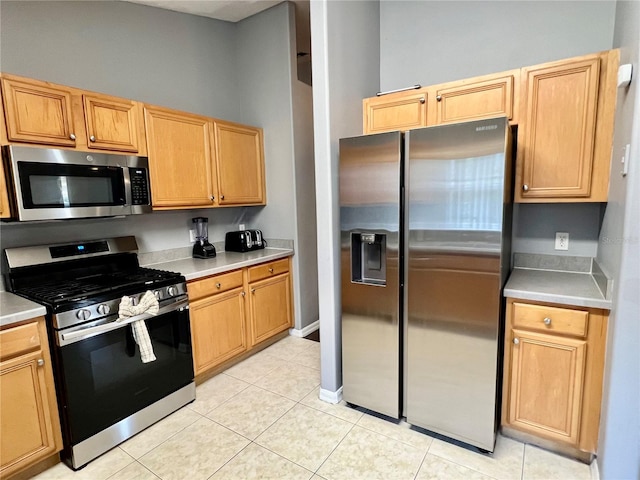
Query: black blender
[{"x": 202, "y": 248}]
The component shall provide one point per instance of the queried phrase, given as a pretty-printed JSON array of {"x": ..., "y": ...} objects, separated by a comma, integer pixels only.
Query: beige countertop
[
  {"x": 15, "y": 309},
  {"x": 194, "y": 268}
]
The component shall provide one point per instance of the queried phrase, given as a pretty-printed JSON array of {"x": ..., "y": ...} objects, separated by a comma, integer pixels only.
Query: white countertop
[
  {"x": 565, "y": 288},
  {"x": 14, "y": 309},
  {"x": 194, "y": 268}
]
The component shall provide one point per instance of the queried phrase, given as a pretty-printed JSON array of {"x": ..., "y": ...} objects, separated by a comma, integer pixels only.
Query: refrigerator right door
[{"x": 458, "y": 190}]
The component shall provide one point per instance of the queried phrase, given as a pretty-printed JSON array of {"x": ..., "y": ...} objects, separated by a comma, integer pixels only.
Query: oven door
[{"x": 102, "y": 377}]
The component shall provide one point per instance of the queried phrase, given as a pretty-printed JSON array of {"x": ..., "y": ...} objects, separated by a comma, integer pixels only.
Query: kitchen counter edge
[
  {"x": 15, "y": 309},
  {"x": 563, "y": 288},
  {"x": 196, "y": 268}
]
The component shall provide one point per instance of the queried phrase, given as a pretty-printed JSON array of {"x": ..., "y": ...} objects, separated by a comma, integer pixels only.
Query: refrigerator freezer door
[
  {"x": 370, "y": 185},
  {"x": 457, "y": 187}
]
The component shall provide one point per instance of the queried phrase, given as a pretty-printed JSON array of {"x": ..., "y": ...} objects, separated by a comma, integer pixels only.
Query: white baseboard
[
  {"x": 330, "y": 397},
  {"x": 594, "y": 470},
  {"x": 294, "y": 332}
]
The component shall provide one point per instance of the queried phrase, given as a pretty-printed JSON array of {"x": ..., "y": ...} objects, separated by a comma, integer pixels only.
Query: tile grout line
[{"x": 353, "y": 425}]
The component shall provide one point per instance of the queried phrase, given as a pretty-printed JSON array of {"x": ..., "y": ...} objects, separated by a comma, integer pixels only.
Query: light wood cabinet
[
  {"x": 566, "y": 128},
  {"x": 233, "y": 312},
  {"x": 396, "y": 111},
  {"x": 270, "y": 301},
  {"x": 240, "y": 163},
  {"x": 475, "y": 98},
  {"x": 554, "y": 360},
  {"x": 180, "y": 159},
  {"x": 5, "y": 211},
  {"x": 44, "y": 113},
  {"x": 28, "y": 408}
]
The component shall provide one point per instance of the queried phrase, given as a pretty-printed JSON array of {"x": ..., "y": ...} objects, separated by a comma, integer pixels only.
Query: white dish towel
[{"x": 147, "y": 304}]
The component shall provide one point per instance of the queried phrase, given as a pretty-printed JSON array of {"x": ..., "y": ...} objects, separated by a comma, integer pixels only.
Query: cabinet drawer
[
  {"x": 550, "y": 319},
  {"x": 18, "y": 340},
  {"x": 268, "y": 269},
  {"x": 216, "y": 284}
]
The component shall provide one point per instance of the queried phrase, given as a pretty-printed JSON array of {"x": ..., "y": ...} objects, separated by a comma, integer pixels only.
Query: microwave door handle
[
  {"x": 126, "y": 177},
  {"x": 84, "y": 333}
]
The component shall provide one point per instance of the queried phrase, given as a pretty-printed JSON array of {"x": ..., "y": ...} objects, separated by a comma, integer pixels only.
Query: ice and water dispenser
[{"x": 369, "y": 258}]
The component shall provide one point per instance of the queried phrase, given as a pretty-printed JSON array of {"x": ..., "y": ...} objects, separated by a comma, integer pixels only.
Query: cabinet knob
[
  {"x": 271, "y": 270},
  {"x": 516, "y": 341},
  {"x": 547, "y": 321},
  {"x": 422, "y": 100},
  {"x": 243, "y": 294},
  {"x": 439, "y": 98},
  {"x": 221, "y": 197},
  {"x": 40, "y": 362},
  {"x": 72, "y": 136},
  {"x": 253, "y": 290},
  {"x": 92, "y": 138},
  {"x": 525, "y": 187},
  {"x": 218, "y": 285}
]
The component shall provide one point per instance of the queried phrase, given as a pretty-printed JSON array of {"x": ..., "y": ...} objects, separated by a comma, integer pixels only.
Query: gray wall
[
  {"x": 268, "y": 81},
  {"x": 430, "y": 42},
  {"x": 346, "y": 68},
  {"x": 619, "y": 254}
]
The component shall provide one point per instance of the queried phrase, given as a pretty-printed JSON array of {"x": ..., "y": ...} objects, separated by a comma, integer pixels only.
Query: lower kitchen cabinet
[
  {"x": 28, "y": 407},
  {"x": 235, "y": 311},
  {"x": 270, "y": 299},
  {"x": 554, "y": 360}
]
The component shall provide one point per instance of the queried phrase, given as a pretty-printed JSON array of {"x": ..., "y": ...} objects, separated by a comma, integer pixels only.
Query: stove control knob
[
  {"x": 103, "y": 309},
  {"x": 171, "y": 291},
  {"x": 157, "y": 294},
  {"x": 83, "y": 314}
]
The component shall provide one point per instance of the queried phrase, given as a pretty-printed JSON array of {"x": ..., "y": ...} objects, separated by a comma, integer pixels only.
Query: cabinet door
[
  {"x": 4, "y": 198},
  {"x": 557, "y": 129},
  {"x": 27, "y": 423},
  {"x": 240, "y": 164},
  {"x": 179, "y": 159},
  {"x": 270, "y": 301},
  {"x": 475, "y": 99},
  {"x": 217, "y": 328},
  {"x": 38, "y": 112},
  {"x": 398, "y": 111},
  {"x": 547, "y": 378},
  {"x": 112, "y": 123}
]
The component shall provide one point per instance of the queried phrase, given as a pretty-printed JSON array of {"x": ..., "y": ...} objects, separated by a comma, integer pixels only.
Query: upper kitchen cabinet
[
  {"x": 566, "y": 129},
  {"x": 38, "y": 112},
  {"x": 180, "y": 159},
  {"x": 240, "y": 164},
  {"x": 4, "y": 198},
  {"x": 396, "y": 111},
  {"x": 54, "y": 115},
  {"x": 113, "y": 123},
  {"x": 475, "y": 98}
]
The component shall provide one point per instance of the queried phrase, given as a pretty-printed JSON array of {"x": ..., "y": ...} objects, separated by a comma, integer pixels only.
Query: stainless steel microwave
[{"x": 51, "y": 184}]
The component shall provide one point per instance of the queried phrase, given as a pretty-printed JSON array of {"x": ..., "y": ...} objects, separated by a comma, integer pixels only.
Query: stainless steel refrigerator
[{"x": 425, "y": 244}]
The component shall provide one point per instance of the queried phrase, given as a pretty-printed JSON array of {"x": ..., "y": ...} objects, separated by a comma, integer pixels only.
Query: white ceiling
[{"x": 229, "y": 10}]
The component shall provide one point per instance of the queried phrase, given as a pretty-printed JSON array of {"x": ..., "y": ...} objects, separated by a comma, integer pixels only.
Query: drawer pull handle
[
  {"x": 218, "y": 285},
  {"x": 271, "y": 270},
  {"x": 40, "y": 362},
  {"x": 547, "y": 321},
  {"x": 516, "y": 341}
]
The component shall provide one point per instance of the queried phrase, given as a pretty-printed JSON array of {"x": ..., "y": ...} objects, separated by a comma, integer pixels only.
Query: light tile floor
[{"x": 262, "y": 419}]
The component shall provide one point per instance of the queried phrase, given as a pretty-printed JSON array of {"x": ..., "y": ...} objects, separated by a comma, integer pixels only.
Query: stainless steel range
[{"x": 106, "y": 393}]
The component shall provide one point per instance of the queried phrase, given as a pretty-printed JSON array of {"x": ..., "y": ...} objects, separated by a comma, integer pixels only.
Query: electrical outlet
[
  {"x": 562, "y": 241},
  {"x": 192, "y": 235},
  {"x": 241, "y": 226}
]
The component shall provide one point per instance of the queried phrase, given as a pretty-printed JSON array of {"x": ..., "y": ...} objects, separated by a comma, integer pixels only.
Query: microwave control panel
[{"x": 139, "y": 186}]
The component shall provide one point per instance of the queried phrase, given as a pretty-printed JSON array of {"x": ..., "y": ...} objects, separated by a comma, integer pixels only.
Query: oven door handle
[{"x": 77, "y": 335}]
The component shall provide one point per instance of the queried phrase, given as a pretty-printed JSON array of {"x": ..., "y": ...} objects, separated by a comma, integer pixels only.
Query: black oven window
[{"x": 53, "y": 185}]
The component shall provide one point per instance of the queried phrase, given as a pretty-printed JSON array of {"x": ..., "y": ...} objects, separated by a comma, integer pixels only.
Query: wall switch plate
[
  {"x": 562, "y": 241},
  {"x": 241, "y": 226},
  {"x": 192, "y": 235}
]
